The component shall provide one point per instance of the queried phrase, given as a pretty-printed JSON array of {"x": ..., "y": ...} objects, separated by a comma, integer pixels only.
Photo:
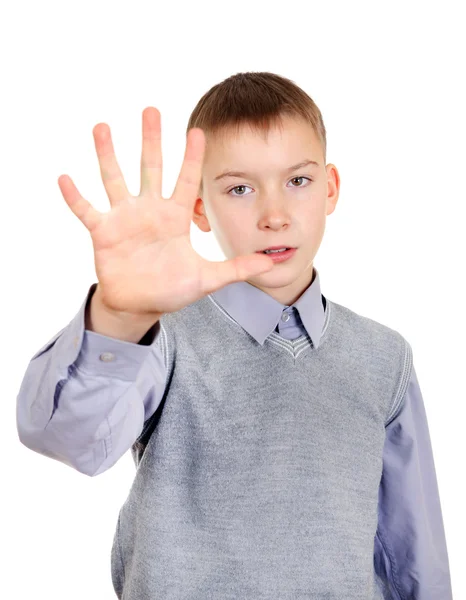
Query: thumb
[{"x": 220, "y": 273}]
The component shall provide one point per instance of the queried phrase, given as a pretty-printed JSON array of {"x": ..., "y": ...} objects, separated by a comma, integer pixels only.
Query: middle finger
[{"x": 151, "y": 159}]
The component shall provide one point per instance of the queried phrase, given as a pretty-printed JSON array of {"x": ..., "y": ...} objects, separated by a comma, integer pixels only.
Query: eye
[
  {"x": 245, "y": 186},
  {"x": 302, "y": 177},
  {"x": 236, "y": 188}
]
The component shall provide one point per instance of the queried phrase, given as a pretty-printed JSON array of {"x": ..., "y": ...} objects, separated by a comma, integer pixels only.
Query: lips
[
  {"x": 280, "y": 257},
  {"x": 276, "y": 248}
]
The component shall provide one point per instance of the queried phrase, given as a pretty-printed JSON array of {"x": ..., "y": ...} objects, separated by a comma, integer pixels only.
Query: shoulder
[
  {"x": 364, "y": 327},
  {"x": 381, "y": 350}
]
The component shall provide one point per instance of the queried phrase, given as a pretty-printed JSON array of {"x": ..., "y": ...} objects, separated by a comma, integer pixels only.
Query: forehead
[{"x": 288, "y": 138}]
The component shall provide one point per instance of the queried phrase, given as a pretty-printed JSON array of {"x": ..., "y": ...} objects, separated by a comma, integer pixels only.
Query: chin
[{"x": 274, "y": 278}]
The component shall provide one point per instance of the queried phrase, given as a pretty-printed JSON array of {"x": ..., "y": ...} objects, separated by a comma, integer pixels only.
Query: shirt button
[
  {"x": 107, "y": 356},
  {"x": 285, "y": 317}
]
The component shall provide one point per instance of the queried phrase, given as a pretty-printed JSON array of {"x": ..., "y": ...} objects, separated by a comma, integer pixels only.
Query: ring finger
[{"x": 112, "y": 176}]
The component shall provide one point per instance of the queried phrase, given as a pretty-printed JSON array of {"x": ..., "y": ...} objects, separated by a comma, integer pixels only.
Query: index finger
[{"x": 189, "y": 179}]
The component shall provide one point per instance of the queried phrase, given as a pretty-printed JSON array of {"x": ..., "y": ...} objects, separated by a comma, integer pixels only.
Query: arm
[
  {"x": 80, "y": 408},
  {"x": 411, "y": 556}
]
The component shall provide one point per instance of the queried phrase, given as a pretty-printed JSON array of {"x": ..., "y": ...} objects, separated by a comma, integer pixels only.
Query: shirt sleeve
[
  {"x": 85, "y": 397},
  {"x": 410, "y": 551}
]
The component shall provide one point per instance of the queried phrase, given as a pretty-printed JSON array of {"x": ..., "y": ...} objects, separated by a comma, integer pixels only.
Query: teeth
[{"x": 269, "y": 251}]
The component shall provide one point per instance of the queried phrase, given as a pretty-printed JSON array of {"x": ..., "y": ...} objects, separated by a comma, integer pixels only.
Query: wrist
[{"x": 120, "y": 325}]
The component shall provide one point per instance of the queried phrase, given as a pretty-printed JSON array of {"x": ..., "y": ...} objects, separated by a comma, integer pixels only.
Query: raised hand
[{"x": 144, "y": 260}]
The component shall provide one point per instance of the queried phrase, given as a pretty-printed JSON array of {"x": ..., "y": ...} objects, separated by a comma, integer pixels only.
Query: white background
[{"x": 389, "y": 80}]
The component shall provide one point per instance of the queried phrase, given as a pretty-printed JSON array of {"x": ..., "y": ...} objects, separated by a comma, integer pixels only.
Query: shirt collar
[{"x": 258, "y": 313}]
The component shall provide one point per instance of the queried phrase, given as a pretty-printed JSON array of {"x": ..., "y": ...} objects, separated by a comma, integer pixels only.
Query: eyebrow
[{"x": 300, "y": 165}]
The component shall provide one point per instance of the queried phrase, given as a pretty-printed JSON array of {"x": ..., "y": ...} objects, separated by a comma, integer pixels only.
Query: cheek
[
  {"x": 237, "y": 231},
  {"x": 314, "y": 211},
  {"x": 230, "y": 220},
  {"x": 232, "y": 230}
]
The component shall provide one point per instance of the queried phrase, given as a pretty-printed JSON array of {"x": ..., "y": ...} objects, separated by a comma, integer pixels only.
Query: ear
[
  {"x": 199, "y": 216},
  {"x": 333, "y": 187}
]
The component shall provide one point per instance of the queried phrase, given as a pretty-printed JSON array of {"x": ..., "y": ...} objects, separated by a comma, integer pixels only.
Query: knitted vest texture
[{"x": 258, "y": 475}]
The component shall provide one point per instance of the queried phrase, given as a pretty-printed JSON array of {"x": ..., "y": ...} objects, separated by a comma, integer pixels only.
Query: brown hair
[{"x": 258, "y": 99}]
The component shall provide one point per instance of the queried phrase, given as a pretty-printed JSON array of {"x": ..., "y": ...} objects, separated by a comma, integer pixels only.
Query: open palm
[{"x": 144, "y": 259}]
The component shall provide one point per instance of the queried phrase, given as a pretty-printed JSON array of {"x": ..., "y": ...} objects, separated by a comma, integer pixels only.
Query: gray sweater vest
[{"x": 258, "y": 475}]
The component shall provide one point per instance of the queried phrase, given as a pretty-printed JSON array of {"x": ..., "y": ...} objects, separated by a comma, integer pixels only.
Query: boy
[{"x": 280, "y": 439}]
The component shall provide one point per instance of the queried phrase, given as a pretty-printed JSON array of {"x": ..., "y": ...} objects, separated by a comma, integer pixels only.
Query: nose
[{"x": 274, "y": 213}]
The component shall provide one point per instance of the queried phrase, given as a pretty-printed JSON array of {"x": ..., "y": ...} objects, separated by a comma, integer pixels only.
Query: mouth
[
  {"x": 275, "y": 249},
  {"x": 280, "y": 255}
]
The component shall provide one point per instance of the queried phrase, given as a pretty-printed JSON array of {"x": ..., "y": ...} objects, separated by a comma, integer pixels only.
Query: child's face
[{"x": 269, "y": 206}]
